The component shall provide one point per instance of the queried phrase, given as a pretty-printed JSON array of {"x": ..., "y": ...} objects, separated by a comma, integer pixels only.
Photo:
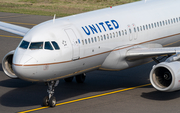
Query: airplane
[{"x": 112, "y": 39}]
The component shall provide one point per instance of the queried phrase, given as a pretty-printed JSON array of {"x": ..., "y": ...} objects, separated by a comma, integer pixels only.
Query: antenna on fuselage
[{"x": 54, "y": 18}]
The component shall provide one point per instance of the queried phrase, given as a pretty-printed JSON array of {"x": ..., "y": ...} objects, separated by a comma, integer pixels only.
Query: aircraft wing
[
  {"x": 141, "y": 53},
  {"x": 18, "y": 30}
]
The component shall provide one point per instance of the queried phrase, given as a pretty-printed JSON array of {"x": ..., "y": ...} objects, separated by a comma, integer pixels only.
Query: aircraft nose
[
  {"x": 23, "y": 59},
  {"x": 23, "y": 67},
  {"x": 21, "y": 56}
]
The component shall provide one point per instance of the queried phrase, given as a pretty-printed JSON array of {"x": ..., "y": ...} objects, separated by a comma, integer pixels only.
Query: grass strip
[{"x": 59, "y": 7}]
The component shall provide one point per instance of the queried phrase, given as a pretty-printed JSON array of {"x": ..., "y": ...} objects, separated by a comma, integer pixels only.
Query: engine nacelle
[
  {"x": 7, "y": 65},
  {"x": 165, "y": 76}
]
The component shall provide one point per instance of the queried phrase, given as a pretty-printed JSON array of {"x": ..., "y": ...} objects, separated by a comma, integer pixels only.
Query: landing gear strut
[{"x": 50, "y": 100}]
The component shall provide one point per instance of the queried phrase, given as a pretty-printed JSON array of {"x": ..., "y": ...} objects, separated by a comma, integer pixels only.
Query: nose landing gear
[{"x": 50, "y": 100}]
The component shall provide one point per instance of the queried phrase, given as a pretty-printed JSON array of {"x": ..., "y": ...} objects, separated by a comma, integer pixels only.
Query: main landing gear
[
  {"x": 50, "y": 100},
  {"x": 79, "y": 78}
]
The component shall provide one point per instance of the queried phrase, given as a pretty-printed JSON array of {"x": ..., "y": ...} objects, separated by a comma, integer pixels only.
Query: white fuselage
[{"x": 97, "y": 39}]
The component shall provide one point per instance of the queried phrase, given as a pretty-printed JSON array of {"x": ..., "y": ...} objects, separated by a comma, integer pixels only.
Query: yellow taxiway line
[
  {"x": 10, "y": 36},
  {"x": 19, "y": 23},
  {"x": 11, "y": 16},
  {"x": 86, "y": 98}
]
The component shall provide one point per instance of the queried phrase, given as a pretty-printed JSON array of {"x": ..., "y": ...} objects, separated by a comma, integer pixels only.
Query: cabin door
[
  {"x": 74, "y": 42},
  {"x": 130, "y": 30},
  {"x": 135, "y": 31}
]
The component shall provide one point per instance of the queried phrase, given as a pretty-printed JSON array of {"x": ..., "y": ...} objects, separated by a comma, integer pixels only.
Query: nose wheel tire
[
  {"x": 45, "y": 101},
  {"x": 52, "y": 101},
  {"x": 49, "y": 102}
]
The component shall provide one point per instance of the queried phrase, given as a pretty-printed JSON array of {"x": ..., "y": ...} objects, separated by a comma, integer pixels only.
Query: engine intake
[
  {"x": 166, "y": 76},
  {"x": 7, "y": 65}
]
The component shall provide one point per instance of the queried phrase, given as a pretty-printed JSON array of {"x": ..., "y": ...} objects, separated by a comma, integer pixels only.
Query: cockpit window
[
  {"x": 36, "y": 45},
  {"x": 55, "y": 45},
  {"x": 24, "y": 44},
  {"x": 48, "y": 46}
]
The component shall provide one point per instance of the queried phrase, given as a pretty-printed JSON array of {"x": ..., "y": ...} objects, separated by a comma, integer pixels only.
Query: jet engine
[
  {"x": 7, "y": 65},
  {"x": 165, "y": 76}
]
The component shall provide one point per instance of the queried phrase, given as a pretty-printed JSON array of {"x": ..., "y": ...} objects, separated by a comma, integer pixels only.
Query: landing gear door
[{"x": 74, "y": 42}]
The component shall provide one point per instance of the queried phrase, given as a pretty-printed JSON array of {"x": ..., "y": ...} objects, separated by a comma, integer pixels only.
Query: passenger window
[
  {"x": 86, "y": 41},
  {"x": 177, "y": 19},
  {"x": 24, "y": 44},
  {"x": 95, "y": 39},
  {"x": 143, "y": 27},
  {"x": 101, "y": 37},
  {"x": 107, "y": 36},
  {"x": 149, "y": 26},
  {"x": 89, "y": 40},
  {"x": 113, "y": 35},
  {"x": 56, "y": 45},
  {"x": 110, "y": 35},
  {"x": 134, "y": 29},
  {"x": 138, "y": 29},
  {"x": 174, "y": 20},
  {"x": 152, "y": 25},
  {"x": 125, "y": 32},
  {"x": 116, "y": 34},
  {"x": 158, "y": 24},
  {"x": 98, "y": 38},
  {"x": 163, "y": 23},
  {"x": 104, "y": 37},
  {"x": 119, "y": 33},
  {"x": 36, "y": 45},
  {"x": 122, "y": 32},
  {"x": 92, "y": 40},
  {"x": 171, "y": 21},
  {"x": 48, "y": 46},
  {"x": 166, "y": 22},
  {"x": 129, "y": 30},
  {"x": 83, "y": 42}
]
